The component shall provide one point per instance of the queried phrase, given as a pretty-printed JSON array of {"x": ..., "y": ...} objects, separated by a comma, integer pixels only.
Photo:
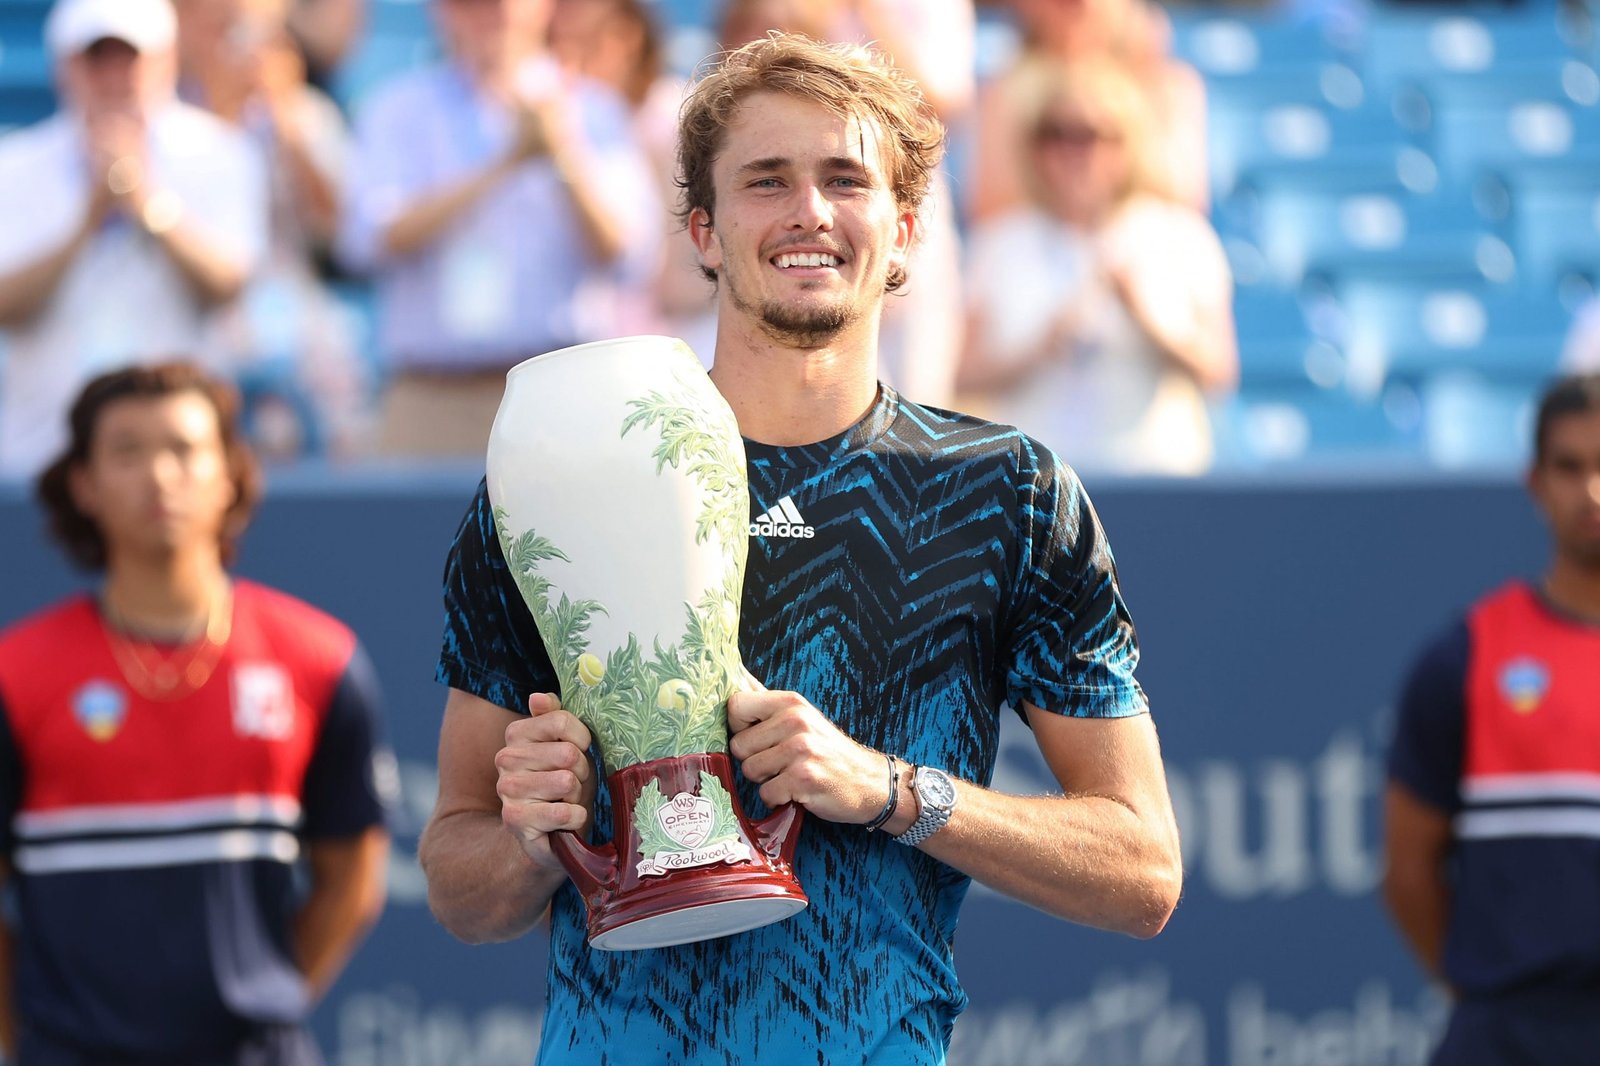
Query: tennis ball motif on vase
[{"x": 644, "y": 704}]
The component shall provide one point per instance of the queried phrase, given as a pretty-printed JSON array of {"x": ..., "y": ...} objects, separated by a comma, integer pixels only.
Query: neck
[
  {"x": 787, "y": 395},
  {"x": 170, "y": 595},
  {"x": 1574, "y": 587}
]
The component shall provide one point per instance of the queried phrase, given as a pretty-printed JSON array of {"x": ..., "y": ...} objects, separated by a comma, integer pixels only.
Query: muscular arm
[
  {"x": 1104, "y": 854},
  {"x": 490, "y": 874},
  {"x": 347, "y": 892},
  {"x": 1417, "y": 841}
]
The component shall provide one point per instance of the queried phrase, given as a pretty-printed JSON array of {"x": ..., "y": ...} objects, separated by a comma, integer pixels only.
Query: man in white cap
[{"x": 124, "y": 218}]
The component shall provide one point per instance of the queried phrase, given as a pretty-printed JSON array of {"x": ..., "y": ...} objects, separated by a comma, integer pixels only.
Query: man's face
[
  {"x": 806, "y": 229},
  {"x": 110, "y": 75},
  {"x": 1566, "y": 486},
  {"x": 156, "y": 480}
]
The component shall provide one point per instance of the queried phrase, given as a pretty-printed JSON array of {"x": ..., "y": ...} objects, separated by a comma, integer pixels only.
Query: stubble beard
[{"x": 808, "y": 326}]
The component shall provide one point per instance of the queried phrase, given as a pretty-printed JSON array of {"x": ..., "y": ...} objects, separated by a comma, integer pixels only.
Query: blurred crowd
[{"x": 367, "y": 270}]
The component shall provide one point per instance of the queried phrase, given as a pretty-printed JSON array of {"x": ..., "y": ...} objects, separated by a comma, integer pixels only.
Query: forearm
[
  {"x": 1420, "y": 905},
  {"x": 213, "y": 275},
  {"x": 346, "y": 898},
  {"x": 428, "y": 217},
  {"x": 1093, "y": 860},
  {"x": 24, "y": 292},
  {"x": 481, "y": 884},
  {"x": 316, "y": 200},
  {"x": 1196, "y": 341},
  {"x": 602, "y": 229}
]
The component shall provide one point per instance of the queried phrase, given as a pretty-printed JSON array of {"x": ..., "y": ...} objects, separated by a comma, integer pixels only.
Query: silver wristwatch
[{"x": 936, "y": 798}]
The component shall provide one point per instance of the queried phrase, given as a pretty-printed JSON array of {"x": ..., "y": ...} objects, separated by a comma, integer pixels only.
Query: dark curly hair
[
  {"x": 1575, "y": 394},
  {"x": 849, "y": 80},
  {"x": 75, "y": 531}
]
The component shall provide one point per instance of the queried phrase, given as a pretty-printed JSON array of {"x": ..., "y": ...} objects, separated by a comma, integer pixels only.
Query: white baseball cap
[{"x": 73, "y": 25}]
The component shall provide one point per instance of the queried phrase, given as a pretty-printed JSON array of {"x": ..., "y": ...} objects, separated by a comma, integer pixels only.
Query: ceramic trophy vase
[{"x": 616, "y": 472}]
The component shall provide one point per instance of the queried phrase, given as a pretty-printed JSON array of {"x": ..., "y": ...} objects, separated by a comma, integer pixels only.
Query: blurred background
[{"x": 1281, "y": 279}]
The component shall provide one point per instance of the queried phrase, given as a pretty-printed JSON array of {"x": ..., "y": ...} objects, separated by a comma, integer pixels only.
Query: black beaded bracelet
[{"x": 894, "y": 795}]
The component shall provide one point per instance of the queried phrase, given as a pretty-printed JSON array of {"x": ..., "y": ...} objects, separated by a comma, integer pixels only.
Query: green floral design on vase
[{"x": 674, "y": 701}]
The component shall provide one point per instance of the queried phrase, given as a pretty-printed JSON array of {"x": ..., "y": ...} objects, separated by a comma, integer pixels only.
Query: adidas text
[{"x": 780, "y": 529}]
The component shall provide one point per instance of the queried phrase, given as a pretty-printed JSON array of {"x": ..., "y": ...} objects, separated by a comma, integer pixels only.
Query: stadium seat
[
  {"x": 1471, "y": 420},
  {"x": 1555, "y": 213},
  {"x": 1411, "y": 329},
  {"x": 1308, "y": 230},
  {"x": 1404, "y": 48},
  {"x": 1289, "y": 424},
  {"x": 1276, "y": 344}
]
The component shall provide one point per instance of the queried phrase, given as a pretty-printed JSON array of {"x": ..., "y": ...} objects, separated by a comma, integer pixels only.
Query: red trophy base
[{"x": 697, "y": 868}]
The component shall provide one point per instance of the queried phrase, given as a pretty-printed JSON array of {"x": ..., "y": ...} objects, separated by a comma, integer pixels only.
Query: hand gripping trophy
[{"x": 617, "y": 475}]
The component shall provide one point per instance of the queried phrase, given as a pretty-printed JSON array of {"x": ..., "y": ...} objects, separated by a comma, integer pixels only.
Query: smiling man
[
  {"x": 1493, "y": 809},
  {"x": 927, "y": 569}
]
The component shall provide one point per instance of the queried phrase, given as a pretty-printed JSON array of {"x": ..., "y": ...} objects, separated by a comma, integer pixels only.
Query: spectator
[
  {"x": 325, "y": 32},
  {"x": 295, "y": 346},
  {"x": 124, "y": 218},
  {"x": 504, "y": 208},
  {"x": 1101, "y": 314},
  {"x": 170, "y": 745},
  {"x": 618, "y": 43},
  {"x": 1135, "y": 33}
]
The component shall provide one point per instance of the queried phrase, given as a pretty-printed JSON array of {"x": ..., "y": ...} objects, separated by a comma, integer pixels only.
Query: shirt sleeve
[
  {"x": 1071, "y": 643},
  {"x": 1430, "y": 723},
  {"x": 492, "y": 647},
  {"x": 10, "y": 781},
  {"x": 352, "y": 782}
]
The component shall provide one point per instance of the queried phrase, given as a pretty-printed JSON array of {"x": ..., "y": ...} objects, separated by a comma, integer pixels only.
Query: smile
[{"x": 805, "y": 259}]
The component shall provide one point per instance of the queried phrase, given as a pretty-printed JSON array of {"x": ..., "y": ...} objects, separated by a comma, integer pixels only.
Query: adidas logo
[{"x": 783, "y": 520}]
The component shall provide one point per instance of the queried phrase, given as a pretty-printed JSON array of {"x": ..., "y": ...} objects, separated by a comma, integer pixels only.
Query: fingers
[{"x": 546, "y": 781}]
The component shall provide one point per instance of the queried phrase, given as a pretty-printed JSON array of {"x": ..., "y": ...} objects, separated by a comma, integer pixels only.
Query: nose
[{"x": 812, "y": 210}]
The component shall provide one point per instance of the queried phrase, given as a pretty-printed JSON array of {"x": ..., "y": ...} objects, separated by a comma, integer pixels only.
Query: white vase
[{"x": 616, "y": 473}]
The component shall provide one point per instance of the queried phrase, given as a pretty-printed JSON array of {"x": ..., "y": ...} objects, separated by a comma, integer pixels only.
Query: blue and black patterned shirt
[{"x": 908, "y": 577}]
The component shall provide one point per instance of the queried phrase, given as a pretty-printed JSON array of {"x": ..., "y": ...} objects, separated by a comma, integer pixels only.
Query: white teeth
[{"x": 807, "y": 259}]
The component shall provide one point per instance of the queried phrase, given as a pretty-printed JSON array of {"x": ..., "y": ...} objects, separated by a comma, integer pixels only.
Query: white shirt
[
  {"x": 122, "y": 300},
  {"x": 1114, "y": 402}
]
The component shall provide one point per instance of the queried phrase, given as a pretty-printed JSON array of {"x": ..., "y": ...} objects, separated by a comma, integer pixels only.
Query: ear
[
  {"x": 703, "y": 234},
  {"x": 82, "y": 490},
  {"x": 905, "y": 234}
]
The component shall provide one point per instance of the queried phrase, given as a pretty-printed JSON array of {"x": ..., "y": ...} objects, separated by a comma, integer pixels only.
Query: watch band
[{"x": 936, "y": 799}]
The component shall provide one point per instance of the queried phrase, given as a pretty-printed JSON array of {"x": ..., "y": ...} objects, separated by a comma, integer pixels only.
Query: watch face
[{"x": 936, "y": 789}]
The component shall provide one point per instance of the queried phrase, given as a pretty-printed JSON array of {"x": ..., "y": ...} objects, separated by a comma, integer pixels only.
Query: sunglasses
[{"x": 1072, "y": 134}]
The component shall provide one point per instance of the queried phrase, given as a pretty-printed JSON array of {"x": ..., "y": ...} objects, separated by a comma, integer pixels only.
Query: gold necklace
[{"x": 156, "y": 676}]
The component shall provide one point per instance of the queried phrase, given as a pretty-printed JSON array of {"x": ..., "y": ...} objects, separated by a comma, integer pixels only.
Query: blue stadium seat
[
  {"x": 1473, "y": 420},
  {"x": 1469, "y": 139},
  {"x": 1306, "y": 142},
  {"x": 1555, "y": 214},
  {"x": 1226, "y": 46},
  {"x": 399, "y": 19},
  {"x": 1276, "y": 343},
  {"x": 1315, "y": 231},
  {"x": 1410, "y": 328},
  {"x": 1408, "y": 47},
  {"x": 1301, "y": 424}
]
